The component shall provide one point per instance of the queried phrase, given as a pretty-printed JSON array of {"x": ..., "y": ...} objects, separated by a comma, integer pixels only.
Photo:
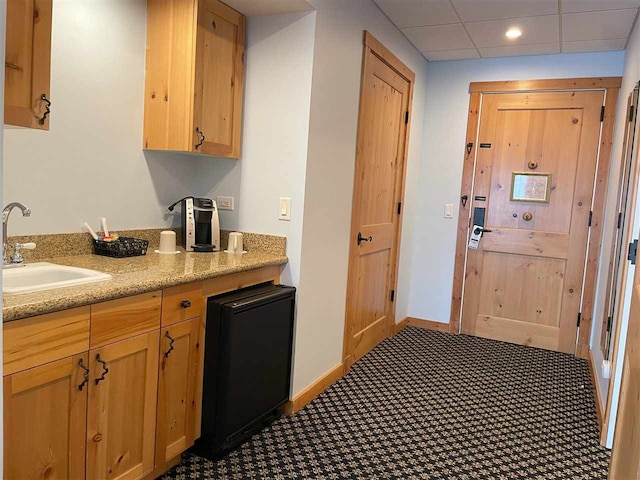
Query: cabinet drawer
[
  {"x": 181, "y": 303},
  {"x": 38, "y": 340},
  {"x": 123, "y": 318}
]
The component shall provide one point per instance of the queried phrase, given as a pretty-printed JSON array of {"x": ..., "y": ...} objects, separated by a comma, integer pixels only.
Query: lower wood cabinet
[
  {"x": 121, "y": 414},
  {"x": 112, "y": 391},
  {"x": 45, "y": 414},
  {"x": 179, "y": 360}
]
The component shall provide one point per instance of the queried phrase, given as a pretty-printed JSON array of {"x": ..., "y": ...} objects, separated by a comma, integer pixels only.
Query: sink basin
[{"x": 35, "y": 277}]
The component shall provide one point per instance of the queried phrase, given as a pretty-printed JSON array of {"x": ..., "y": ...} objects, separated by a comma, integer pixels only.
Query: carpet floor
[{"x": 428, "y": 405}]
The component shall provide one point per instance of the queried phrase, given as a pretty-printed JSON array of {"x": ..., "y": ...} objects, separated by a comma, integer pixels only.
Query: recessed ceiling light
[{"x": 513, "y": 32}]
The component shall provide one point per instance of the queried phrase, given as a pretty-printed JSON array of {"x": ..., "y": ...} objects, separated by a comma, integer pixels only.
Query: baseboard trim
[
  {"x": 424, "y": 324},
  {"x": 312, "y": 391},
  {"x": 400, "y": 325},
  {"x": 596, "y": 391}
]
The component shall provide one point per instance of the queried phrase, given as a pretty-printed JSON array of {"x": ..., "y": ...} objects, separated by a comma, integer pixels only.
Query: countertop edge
[{"x": 66, "y": 302}]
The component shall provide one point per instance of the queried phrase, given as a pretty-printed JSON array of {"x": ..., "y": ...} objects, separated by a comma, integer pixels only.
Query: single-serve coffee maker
[{"x": 200, "y": 224}]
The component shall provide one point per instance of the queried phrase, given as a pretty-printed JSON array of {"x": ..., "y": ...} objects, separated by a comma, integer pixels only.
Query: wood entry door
[
  {"x": 524, "y": 282},
  {"x": 625, "y": 454},
  {"x": 383, "y": 128}
]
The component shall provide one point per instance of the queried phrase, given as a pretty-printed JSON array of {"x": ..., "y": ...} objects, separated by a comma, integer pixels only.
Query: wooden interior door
[
  {"x": 179, "y": 361},
  {"x": 619, "y": 252},
  {"x": 383, "y": 128},
  {"x": 218, "y": 79},
  {"x": 45, "y": 414},
  {"x": 27, "y": 67},
  {"x": 625, "y": 455},
  {"x": 121, "y": 416},
  {"x": 524, "y": 282}
]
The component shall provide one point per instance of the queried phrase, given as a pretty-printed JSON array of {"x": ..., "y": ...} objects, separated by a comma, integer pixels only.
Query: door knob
[{"x": 363, "y": 239}]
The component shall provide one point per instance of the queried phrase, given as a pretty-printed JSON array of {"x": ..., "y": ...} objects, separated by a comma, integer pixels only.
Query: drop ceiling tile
[
  {"x": 439, "y": 37},
  {"x": 477, "y": 10},
  {"x": 594, "y": 45},
  {"x": 572, "y": 6},
  {"x": 534, "y": 30},
  {"x": 597, "y": 25},
  {"x": 415, "y": 13},
  {"x": 442, "y": 55},
  {"x": 517, "y": 50}
]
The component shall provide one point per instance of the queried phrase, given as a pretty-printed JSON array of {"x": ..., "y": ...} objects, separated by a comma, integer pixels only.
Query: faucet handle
[{"x": 17, "y": 254}]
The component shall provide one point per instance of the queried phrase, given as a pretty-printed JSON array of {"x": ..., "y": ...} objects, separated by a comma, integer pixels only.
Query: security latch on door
[{"x": 633, "y": 251}]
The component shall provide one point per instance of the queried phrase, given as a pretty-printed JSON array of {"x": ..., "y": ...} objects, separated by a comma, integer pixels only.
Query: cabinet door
[
  {"x": 45, "y": 412},
  {"x": 179, "y": 360},
  {"x": 218, "y": 80},
  {"x": 122, "y": 408},
  {"x": 27, "y": 66}
]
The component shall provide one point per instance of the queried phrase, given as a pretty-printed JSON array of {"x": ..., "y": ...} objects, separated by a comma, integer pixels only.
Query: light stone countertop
[{"x": 132, "y": 276}]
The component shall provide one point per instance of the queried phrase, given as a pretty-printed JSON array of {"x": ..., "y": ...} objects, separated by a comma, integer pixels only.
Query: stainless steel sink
[{"x": 35, "y": 277}]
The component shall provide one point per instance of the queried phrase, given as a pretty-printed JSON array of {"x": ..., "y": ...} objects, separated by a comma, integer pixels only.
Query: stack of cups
[
  {"x": 235, "y": 243},
  {"x": 167, "y": 242}
]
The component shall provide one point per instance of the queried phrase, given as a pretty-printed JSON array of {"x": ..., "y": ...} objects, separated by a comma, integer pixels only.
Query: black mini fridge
[{"x": 247, "y": 366}]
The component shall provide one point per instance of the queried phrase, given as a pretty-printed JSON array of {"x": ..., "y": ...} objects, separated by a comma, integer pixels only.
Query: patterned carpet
[{"x": 427, "y": 405}]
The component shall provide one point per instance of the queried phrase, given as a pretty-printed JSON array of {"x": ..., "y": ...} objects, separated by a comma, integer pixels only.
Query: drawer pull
[
  {"x": 105, "y": 370},
  {"x": 171, "y": 341},
  {"x": 85, "y": 375},
  {"x": 185, "y": 304}
]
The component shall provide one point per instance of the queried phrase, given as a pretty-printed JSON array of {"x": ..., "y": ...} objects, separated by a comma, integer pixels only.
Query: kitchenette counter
[{"x": 132, "y": 276}]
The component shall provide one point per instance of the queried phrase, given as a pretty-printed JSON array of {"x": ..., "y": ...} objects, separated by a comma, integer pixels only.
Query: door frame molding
[
  {"x": 374, "y": 46},
  {"x": 611, "y": 87}
]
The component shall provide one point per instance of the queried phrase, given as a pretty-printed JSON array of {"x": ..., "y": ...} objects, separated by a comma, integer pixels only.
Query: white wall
[
  {"x": 329, "y": 179},
  {"x": 630, "y": 78},
  {"x": 440, "y": 172},
  {"x": 279, "y": 60},
  {"x": 90, "y": 163}
]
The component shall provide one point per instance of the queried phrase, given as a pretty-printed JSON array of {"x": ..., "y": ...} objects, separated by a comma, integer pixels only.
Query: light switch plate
[
  {"x": 448, "y": 210},
  {"x": 284, "y": 213},
  {"x": 225, "y": 203}
]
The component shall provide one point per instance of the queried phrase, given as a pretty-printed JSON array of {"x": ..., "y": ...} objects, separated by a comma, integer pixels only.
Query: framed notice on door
[{"x": 530, "y": 187}]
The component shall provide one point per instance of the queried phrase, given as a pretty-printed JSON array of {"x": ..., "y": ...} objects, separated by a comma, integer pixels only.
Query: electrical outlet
[{"x": 224, "y": 203}]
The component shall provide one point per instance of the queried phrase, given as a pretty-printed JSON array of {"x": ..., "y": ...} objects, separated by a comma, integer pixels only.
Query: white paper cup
[
  {"x": 235, "y": 243},
  {"x": 167, "y": 241}
]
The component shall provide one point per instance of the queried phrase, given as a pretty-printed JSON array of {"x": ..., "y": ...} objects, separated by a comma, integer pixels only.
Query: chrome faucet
[{"x": 26, "y": 212}]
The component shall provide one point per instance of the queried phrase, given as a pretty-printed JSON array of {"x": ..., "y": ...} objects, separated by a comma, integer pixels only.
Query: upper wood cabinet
[
  {"x": 194, "y": 77},
  {"x": 27, "y": 67}
]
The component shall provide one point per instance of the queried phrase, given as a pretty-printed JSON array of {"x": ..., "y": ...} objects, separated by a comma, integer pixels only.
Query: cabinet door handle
[
  {"x": 105, "y": 370},
  {"x": 185, "y": 304},
  {"x": 171, "y": 341},
  {"x": 199, "y": 132},
  {"x": 85, "y": 375},
  {"x": 47, "y": 111},
  {"x": 363, "y": 239}
]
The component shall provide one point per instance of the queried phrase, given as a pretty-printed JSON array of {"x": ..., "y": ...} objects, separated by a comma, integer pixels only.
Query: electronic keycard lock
[{"x": 478, "y": 227}]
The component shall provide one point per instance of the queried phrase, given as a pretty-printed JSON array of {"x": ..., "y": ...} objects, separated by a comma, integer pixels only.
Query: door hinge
[
  {"x": 590, "y": 217},
  {"x": 602, "y": 114},
  {"x": 393, "y": 295},
  {"x": 633, "y": 250},
  {"x": 579, "y": 316},
  {"x": 399, "y": 207},
  {"x": 631, "y": 110},
  {"x": 609, "y": 324},
  {"x": 619, "y": 219},
  {"x": 406, "y": 117}
]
